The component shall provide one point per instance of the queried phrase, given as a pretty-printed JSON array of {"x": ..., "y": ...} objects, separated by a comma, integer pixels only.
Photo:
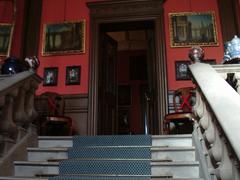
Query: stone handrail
[
  {"x": 217, "y": 111},
  {"x": 17, "y": 107},
  {"x": 230, "y": 72}
]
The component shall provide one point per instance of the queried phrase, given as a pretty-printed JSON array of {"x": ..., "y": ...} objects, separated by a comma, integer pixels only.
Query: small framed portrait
[
  {"x": 50, "y": 76},
  {"x": 73, "y": 74},
  {"x": 182, "y": 70}
]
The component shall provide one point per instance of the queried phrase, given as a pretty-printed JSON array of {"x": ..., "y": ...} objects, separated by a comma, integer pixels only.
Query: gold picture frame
[
  {"x": 6, "y": 33},
  {"x": 193, "y": 28},
  {"x": 64, "y": 38}
]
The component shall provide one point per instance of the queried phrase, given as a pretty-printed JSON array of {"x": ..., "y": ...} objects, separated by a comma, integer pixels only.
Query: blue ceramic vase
[{"x": 11, "y": 65}]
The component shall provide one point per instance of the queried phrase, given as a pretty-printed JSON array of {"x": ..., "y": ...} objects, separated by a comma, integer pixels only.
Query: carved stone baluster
[
  {"x": 198, "y": 107},
  {"x": 204, "y": 148},
  {"x": 19, "y": 113},
  {"x": 237, "y": 77},
  {"x": 216, "y": 151},
  {"x": 8, "y": 129},
  {"x": 29, "y": 103},
  {"x": 225, "y": 168},
  {"x": 204, "y": 121},
  {"x": 209, "y": 134}
]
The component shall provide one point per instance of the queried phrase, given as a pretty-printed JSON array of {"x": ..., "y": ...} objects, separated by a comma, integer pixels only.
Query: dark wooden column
[
  {"x": 230, "y": 18},
  {"x": 31, "y": 30}
]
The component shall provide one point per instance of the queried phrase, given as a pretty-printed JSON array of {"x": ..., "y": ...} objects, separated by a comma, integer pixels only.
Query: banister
[
  {"x": 218, "y": 114},
  {"x": 17, "y": 114},
  {"x": 17, "y": 105},
  {"x": 11, "y": 81}
]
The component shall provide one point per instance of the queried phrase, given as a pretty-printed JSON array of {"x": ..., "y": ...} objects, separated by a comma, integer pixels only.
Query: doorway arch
[{"x": 128, "y": 11}]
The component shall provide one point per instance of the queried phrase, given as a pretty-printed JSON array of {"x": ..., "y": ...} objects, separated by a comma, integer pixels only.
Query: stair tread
[
  {"x": 172, "y": 136},
  {"x": 171, "y": 148},
  {"x": 36, "y": 163},
  {"x": 54, "y": 149},
  {"x": 58, "y": 148},
  {"x": 55, "y": 137},
  {"x": 21, "y": 178},
  {"x": 159, "y": 178},
  {"x": 178, "y": 163}
]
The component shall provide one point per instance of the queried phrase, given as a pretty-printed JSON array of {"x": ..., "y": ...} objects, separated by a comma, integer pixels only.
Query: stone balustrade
[
  {"x": 231, "y": 73},
  {"x": 217, "y": 111},
  {"x": 17, "y": 107}
]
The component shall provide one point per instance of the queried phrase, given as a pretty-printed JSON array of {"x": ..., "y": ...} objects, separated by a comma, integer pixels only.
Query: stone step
[
  {"x": 33, "y": 168},
  {"x": 47, "y": 154},
  {"x": 40, "y": 178},
  {"x": 157, "y": 153},
  {"x": 183, "y": 169},
  {"x": 110, "y": 167},
  {"x": 163, "y": 169},
  {"x": 173, "y": 153},
  {"x": 80, "y": 177},
  {"x": 157, "y": 140},
  {"x": 55, "y": 141},
  {"x": 159, "y": 178},
  {"x": 22, "y": 178},
  {"x": 180, "y": 140}
]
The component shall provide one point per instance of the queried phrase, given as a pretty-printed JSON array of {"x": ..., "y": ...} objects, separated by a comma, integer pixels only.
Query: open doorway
[
  {"x": 118, "y": 16},
  {"x": 126, "y": 79}
]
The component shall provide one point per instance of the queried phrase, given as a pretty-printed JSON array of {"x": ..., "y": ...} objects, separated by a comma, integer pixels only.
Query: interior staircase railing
[
  {"x": 217, "y": 111},
  {"x": 16, "y": 109}
]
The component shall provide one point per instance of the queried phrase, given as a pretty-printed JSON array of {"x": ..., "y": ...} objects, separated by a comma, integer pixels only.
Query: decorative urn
[
  {"x": 232, "y": 51},
  {"x": 11, "y": 65},
  {"x": 196, "y": 54}
]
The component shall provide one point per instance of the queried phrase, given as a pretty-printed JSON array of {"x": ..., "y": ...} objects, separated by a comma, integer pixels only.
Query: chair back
[
  {"x": 55, "y": 103},
  {"x": 184, "y": 97}
]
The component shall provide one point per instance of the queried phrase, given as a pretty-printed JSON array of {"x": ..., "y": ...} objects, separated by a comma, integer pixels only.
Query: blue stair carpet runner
[{"x": 119, "y": 157}]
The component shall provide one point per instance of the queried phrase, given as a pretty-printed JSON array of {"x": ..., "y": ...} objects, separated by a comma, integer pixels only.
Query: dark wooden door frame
[{"x": 127, "y": 11}]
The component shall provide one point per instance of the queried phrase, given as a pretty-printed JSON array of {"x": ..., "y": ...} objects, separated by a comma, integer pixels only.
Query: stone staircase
[{"x": 171, "y": 157}]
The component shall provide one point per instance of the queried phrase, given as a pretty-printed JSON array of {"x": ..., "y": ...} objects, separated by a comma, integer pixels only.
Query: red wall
[
  {"x": 176, "y": 54},
  {"x": 54, "y": 12},
  {"x": 77, "y": 10},
  {"x": 6, "y": 16}
]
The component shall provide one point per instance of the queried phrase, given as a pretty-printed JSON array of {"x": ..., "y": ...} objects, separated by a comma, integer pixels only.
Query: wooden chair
[
  {"x": 181, "y": 121},
  {"x": 55, "y": 123}
]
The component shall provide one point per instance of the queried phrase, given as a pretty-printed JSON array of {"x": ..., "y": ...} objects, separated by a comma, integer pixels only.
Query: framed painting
[
  {"x": 182, "y": 70},
  {"x": 193, "y": 28},
  {"x": 50, "y": 76},
  {"x": 6, "y": 31},
  {"x": 73, "y": 74},
  {"x": 65, "y": 37}
]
